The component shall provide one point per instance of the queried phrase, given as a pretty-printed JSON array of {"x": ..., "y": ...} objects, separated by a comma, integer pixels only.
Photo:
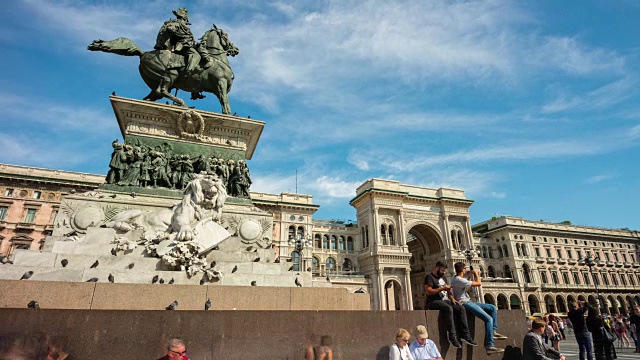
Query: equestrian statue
[{"x": 179, "y": 62}]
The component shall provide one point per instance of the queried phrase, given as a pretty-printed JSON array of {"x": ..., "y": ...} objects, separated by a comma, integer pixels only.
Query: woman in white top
[{"x": 400, "y": 349}]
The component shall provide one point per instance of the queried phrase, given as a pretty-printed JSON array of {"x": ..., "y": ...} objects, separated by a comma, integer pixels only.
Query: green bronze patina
[{"x": 178, "y": 62}]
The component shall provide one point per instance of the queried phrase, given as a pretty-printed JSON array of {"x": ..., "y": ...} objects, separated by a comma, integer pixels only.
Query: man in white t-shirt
[{"x": 486, "y": 312}]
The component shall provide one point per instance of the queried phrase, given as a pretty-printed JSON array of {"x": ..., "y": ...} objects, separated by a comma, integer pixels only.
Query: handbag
[{"x": 607, "y": 335}]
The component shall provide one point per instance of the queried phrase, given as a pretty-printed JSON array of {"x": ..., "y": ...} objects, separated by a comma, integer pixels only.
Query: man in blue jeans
[
  {"x": 487, "y": 312},
  {"x": 576, "y": 315}
]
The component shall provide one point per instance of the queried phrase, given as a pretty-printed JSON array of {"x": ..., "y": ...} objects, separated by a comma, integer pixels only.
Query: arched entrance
[
  {"x": 426, "y": 247},
  {"x": 622, "y": 308},
  {"x": 514, "y": 300},
  {"x": 560, "y": 304},
  {"x": 534, "y": 304},
  {"x": 611, "y": 305},
  {"x": 488, "y": 299},
  {"x": 551, "y": 306},
  {"x": 502, "y": 302},
  {"x": 392, "y": 294}
]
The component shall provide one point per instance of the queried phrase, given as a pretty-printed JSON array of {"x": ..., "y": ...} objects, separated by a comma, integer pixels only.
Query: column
[
  {"x": 447, "y": 236},
  {"x": 402, "y": 235},
  {"x": 469, "y": 233},
  {"x": 408, "y": 289},
  {"x": 380, "y": 272},
  {"x": 376, "y": 226}
]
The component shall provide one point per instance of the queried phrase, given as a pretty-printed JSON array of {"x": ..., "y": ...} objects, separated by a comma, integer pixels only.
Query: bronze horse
[{"x": 163, "y": 70}]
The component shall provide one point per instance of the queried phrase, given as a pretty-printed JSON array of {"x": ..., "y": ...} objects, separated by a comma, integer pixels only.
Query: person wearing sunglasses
[
  {"x": 176, "y": 350},
  {"x": 400, "y": 349}
]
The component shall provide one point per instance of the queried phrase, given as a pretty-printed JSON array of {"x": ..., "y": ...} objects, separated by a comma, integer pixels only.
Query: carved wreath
[{"x": 190, "y": 124}]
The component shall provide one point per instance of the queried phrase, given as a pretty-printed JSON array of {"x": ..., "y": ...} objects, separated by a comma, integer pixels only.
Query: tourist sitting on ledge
[
  {"x": 486, "y": 312},
  {"x": 400, "y": 349},
  {"x": 176, "y": 350},
  {"x": 533, "y": 348},
  {"x": 422, "y": 348}
]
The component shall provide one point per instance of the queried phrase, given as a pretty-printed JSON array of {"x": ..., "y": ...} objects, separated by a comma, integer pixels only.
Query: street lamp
[{"x": 590, "y": 261}]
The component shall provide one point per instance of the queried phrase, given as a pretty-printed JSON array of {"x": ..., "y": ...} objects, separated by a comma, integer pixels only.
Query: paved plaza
[{"x": 569, "y": 348}]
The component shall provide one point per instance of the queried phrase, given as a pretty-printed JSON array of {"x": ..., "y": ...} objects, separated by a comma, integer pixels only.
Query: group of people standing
[{"x": 133, "y": 165}]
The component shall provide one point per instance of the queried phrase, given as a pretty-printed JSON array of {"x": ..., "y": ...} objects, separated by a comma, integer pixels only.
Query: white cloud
[{"x": 599, "y": 178}]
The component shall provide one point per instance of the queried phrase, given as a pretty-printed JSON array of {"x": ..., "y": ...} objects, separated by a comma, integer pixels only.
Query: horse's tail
[{"x": 120, "y": 46}]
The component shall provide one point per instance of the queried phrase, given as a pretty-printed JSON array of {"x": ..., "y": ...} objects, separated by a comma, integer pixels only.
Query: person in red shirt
[{"x": 176, "y": 350}]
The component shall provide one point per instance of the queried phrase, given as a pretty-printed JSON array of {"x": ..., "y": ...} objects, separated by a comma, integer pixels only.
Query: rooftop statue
[{"x": 179, "y": 62}]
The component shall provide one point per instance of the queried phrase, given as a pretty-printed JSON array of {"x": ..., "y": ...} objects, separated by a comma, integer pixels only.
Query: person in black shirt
[
  {"x": 439, "y": 297},
  {"x": 576, "y": 315},
  {"x": 635, "y": 320}
]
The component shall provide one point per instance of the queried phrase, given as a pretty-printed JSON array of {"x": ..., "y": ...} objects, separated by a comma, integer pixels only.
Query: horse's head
[{"x": 217, "y": 38}]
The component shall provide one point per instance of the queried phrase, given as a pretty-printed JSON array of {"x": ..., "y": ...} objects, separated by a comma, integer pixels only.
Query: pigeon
[
  {"x": 257, "y": 259},
  {"x": 277, "y": 261},
  {"x": 131, "y": 265},
  {"x": 207, "y": 304},
  {"x": 289, "y": 260},
  {"x": 202, "y": 281},
  {"x": 155, "y": 279},
  {"x": 166, "y": 102},
  {"x": 111, "y": 278},
  {"x": 172, "y": 306},
  {"x": 273, "y": 245},
  {"x": 171, "y": 281},
  {"x": 248, "y": 116},
  {"x": 73, "y": 191},
  {"x": 213, "y": 264},
  {"x": 95, "y": 265},
  {"x": 161, "y": 281},
  {"x": 235, "y": 114},
  {"x": 291, "y": 268},
  {"x": 92, "y": 280},
  {"x": 133, "y": 194},
  {"x": 256, "y": 250},
  {"x": 216, "y": 247},
  {"x": 4, "y": 259},
  {"x": 235, "y": 268},
  {"x": 309, "y": 269},
  {"x": 253, "y": 283},
  {"x": 113, "y": 93},
  {"x": 298, "y": 283},
  {"x": 113, "y": 196},
  {"x": 64, "y": 262},
  {"x": 328, "y": 279},
  {"x": 114, "y": 252},
  {"x": 33, "y": 305},
  {"x": 26, "y": 275},
  {"x": 249, "y": 248}
]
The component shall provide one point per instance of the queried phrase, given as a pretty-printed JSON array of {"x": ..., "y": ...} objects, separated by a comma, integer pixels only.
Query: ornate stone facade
[
  {"x": 29, "y": 201},
  {"x": 536, "y": 265}
]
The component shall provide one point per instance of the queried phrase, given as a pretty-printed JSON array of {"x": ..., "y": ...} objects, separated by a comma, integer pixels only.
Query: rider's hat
[{"x": 182, "y": 13}]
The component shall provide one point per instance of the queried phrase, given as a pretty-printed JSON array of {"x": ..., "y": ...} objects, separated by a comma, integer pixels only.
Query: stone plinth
[{"x": 189, "y": 131}]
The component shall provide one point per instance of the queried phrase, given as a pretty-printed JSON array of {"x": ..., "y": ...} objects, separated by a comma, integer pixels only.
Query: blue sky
[{"x": 531, "y": 107}]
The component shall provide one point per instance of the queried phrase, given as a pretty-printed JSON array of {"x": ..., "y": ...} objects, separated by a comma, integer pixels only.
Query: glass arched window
[
  {"x": 490, "y": 252},
  {"x": 543, "y": 276},
  {"x": 576, "y": 278},
  {"x": 527, "y": 273},
  {"x": 565, "y": 277},
  {"x": 524, "y": 250},
  {"x": 383, "y": 234},
  {"x": 585, "y": 277},
  {"x": 346, "y": 265},
  {"x": 325, "y": 242},
  {"x": 364, "y": 244},
  {"x": 518, "y": 249},
  {"x": 341, "y": 243},
  {"x": 317, "y": 242},
  {"x": 292, "y": 232},
  {"x": 623, "y": 280},
  {"x": 300, "y": 234},
  {"x": 554, "y": 276},
  {"x": 349, "y": 243},
  {"x": 333, "y": 242},
  {"x": 507, "y": 271},
  {"x": 454, "y": 239},
  {"x": 392, "y": 240},
  {"x": 366, "y": 235},
  {"x": 315, "y": 264},
  {"x": 484, "y": 252},
  {"x": 331, "y": 264},
  {"x": 295, "y": 260},
  {"x": 492, "y": 272}
]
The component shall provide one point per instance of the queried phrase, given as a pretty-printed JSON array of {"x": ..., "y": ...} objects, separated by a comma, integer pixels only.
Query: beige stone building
[
  {"x": 536, "y": 265},
  {"x": 29, "y": 201},
  {"x": 400, "y": 232}
]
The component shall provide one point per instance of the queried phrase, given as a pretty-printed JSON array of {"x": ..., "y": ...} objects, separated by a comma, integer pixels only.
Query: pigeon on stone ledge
[
  {"x": 161, "y": 281},
  {"x": 33, "y": 305},
  {"x": 111, "y": 278},
  {"x": 170, "y": 281},
  {"x": 155, "y": 279},
  {"x": 92, "y": 280},
  {"x": 95, "y": 264},
  {"x": 114, "y": 252},
  {"x": 64, "y": 262},
  {"x": 235, "y": 268},
  {"x": 131, "y": 265},
  {"x": 257, "y": 259},
  {"x": 254, "y": 283},
  {"x": 26, "y": 275},
  {"x": 172, "y": 306},
  {"x": 207, "y": 304},
  {"x": 298, "y": 283}
]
